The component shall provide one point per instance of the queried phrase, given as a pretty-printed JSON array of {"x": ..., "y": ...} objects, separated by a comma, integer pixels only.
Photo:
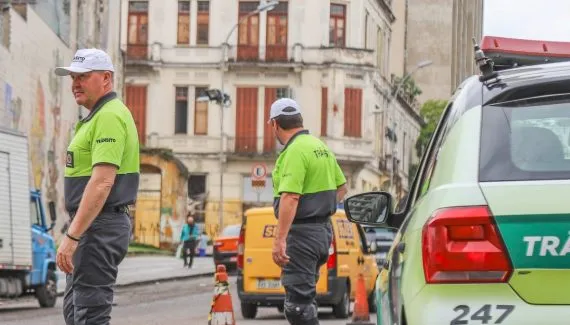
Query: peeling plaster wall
[{"x": 36, "y": 102}]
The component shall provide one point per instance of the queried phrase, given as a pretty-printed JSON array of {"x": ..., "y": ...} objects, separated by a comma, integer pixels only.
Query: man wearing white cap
[
  {"x": 101, "y": 180},
  {"x": 307, "y": 184}
]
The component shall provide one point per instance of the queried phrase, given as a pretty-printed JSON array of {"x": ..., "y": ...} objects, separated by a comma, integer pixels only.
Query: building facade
[
  {"x": 441, "y": 31},
  {"x": 332, "y": 57},
  {"x": 35, "y": 37}
]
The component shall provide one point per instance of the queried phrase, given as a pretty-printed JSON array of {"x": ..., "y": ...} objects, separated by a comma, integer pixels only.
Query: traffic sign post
[{"x": 258, "y": 178}]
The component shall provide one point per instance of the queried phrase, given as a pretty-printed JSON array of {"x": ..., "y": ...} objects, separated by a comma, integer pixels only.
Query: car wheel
[
  {"x": 342, "y": 309},
  {"x": 47, "y": 294},
  {"x": 248, "y": 311}
]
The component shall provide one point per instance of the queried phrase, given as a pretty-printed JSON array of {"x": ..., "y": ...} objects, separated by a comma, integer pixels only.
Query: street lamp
[
  {"x": 420, "y": 65},
  {"x": 223, "y": 99}
]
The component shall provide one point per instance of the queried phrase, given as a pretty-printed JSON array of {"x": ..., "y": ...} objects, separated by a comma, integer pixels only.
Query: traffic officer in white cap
[
  {"x": 101, "y": 180},
  {"x": 307, "y": 185}
]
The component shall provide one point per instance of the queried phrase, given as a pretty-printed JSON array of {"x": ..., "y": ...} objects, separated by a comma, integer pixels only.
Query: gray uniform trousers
[
  {"x": 308, "y": 249},
  {"x": 89, "y": 290}
]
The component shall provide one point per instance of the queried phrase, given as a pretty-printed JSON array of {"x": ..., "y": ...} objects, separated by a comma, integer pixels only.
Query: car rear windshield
[
  {"x": 526, "y": 140},
  {"x": 231, "y": 231}
]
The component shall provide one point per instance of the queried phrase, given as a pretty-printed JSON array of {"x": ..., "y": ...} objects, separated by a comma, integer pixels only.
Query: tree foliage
[{"x": 431, "y": 112}]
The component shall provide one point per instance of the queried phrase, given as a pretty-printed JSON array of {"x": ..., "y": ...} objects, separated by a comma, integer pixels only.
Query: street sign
[
  {"x": 258, "y": 172},
  {"x": 258, "y": 177}
]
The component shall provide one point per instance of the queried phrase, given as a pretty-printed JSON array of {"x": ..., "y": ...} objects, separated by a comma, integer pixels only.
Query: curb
[{"x": 163, "y": 279}]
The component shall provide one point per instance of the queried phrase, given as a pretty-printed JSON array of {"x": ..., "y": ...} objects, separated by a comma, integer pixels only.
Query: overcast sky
[{"x": 530, "y": 19}]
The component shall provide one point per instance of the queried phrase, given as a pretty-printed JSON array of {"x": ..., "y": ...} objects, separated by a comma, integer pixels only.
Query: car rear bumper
[
  {"x": 442, "y": 304},
  {"x": 336, "y": 287},
  {"x": 226, "y": 258}
]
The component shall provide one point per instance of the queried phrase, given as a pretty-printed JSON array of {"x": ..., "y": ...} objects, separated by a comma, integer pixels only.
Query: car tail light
[
  {"x": 331, "y": 262},
  {"x": 241, "y": 247},
  {"x": 463, "y": 244}
]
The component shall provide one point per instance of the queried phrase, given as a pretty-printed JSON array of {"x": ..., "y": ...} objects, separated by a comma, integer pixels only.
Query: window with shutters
[
  {"x": 136, "y": 102},
  {"x": 200, "y": 113},
  {"x": 183, "y": 22},
  {"x": 181, "y": 111},
  {"x": 271, "y": 95},
  {"x": 248, "y": 32},
  {"x": 137, "y": 37},
  {"x": 203, "y": 26},
  {"x": 337, "y": 25},
  {"x": 276, "y": 48},
  {"x": 353, "y": 112},
  {"x": 246, "y": 120}
]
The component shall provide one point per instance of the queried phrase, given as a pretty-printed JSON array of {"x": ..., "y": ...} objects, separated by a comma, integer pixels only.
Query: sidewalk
[{"x": 146, "y": 269}]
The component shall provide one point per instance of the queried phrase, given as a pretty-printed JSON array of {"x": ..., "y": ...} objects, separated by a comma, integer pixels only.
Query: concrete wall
[{"x": 34, "y": 101}]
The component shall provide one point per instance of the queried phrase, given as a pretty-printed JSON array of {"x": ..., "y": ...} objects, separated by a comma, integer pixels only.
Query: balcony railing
[
  {"x": 137, "y": 51},
  {"x": 350, "y": 148},
  {"x": 253, "y": 145},
  {"x": 294, "y": 55},
  {"x": 248, "y": 52},
  {"x": 186, "y": 143}
]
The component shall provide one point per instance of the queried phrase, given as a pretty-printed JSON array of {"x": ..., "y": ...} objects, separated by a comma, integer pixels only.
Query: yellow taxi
[{"x": 258, "y": 278}]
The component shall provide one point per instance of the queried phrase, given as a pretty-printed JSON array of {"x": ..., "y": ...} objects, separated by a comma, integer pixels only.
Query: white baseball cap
[
  {"x": 86, "y": 60},
  {"x": 284, "y": 106}
]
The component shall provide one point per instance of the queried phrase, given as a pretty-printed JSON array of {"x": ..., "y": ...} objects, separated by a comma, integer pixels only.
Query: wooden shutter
[
  {"x": 268, "y": 137},
  {"x": 324, "y": 110},
  {"x": 353, "y": 112},
  {"x": 246, "y": 120},
  {"x": 136, "y": 102}
]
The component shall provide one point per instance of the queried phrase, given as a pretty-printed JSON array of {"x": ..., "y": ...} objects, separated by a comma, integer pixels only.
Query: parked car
[
  {"x": 226, "y": 247},
  {"x": 483, "y": 237},
  {"x": 258, "y": 280},
  {"x": 380, "y": 240}
]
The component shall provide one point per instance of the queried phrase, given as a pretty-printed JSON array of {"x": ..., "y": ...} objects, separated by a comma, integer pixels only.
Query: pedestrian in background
[
  {"x": 101, "y": 180},
  {"x": 189, "y": 237},
  {"x": 307, "y": 185}
]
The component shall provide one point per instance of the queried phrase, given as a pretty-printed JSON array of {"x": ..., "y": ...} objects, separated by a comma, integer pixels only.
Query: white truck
[{"x": 27, "y": 250}]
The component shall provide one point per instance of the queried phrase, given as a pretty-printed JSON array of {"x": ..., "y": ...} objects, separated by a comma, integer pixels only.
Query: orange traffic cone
[
  {"x": 361, "y": 314},
  {"x": 222, "y": 311}
]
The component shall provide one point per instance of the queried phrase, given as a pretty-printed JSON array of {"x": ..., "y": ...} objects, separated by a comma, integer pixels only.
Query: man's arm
[
  {"x": 96, "y": 192},
  {"x": 341, "y": 192},
  {"x": 287, "y": 210}
]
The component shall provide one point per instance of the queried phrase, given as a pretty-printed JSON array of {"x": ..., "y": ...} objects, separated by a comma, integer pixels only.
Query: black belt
[
  {"x": 107, "y": 209},
  {"x": 319, "y": 219}
]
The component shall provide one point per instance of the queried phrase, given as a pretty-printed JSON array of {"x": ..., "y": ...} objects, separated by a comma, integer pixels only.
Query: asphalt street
[{"x": 181, "y": 301}]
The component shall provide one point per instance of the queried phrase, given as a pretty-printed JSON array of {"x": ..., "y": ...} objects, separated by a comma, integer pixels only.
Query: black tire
[
  {"x": 342, "y": 309},
  {"x": 248, "y": 311},
  {"x": 372, "y": 302},
  {"x": 47, "y": 294}
]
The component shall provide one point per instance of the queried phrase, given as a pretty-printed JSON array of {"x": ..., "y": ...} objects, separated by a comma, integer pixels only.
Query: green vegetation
[
  {"x": 431, "y": 112},
  {"x": 142, "y": 249}
]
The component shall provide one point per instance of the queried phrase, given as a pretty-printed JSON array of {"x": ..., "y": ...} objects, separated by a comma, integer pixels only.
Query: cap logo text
[{"x": 79, "y": 59}]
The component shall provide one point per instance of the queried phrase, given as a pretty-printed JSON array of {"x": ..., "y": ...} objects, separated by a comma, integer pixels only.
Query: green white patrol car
[{"x": 484, "y": 237}]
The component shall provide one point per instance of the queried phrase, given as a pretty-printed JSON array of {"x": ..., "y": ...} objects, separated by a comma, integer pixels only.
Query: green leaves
[{"x": 431, "y": 112}]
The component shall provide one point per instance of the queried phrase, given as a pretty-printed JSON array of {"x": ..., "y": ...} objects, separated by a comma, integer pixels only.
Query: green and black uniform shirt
[
  {"x": 107, "y": 135},
  {"x": 307, "y": 167}
]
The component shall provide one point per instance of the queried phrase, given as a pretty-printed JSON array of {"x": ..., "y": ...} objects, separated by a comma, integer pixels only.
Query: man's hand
[
  {"x": 65, "y": 254},
  {"x": 279, "y": 252}
]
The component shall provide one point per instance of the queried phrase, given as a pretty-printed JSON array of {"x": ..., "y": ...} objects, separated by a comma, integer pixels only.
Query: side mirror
[{"x": 370, "y": 208}]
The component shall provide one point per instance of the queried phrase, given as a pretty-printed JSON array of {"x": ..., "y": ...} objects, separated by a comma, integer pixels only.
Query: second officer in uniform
[{"x": 308, "y": 183}]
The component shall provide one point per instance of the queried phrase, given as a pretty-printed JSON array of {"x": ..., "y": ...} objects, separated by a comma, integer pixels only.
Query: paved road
[
  {"x": 138, "y": 269},
  {"x": 176, "y": 302}
]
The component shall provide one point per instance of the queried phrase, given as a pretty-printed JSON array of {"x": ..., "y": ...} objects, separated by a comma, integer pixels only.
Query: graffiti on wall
[
  {"x": 12, "y": 109},
  {"x": 38, "y": 136}
]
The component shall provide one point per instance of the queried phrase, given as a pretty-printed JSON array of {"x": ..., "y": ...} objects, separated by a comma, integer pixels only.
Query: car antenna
[{"x": 484, "y": 63}]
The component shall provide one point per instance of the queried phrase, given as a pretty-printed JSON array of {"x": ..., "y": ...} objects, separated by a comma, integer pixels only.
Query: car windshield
[
  {"x": 231, "y": 231},
  {"x": 527, "y": 141}
]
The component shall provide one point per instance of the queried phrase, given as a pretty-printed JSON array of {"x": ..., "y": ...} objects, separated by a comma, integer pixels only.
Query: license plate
[
  {"x": 268, "y": 284},
  {"x": 233, "y": 258}
]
